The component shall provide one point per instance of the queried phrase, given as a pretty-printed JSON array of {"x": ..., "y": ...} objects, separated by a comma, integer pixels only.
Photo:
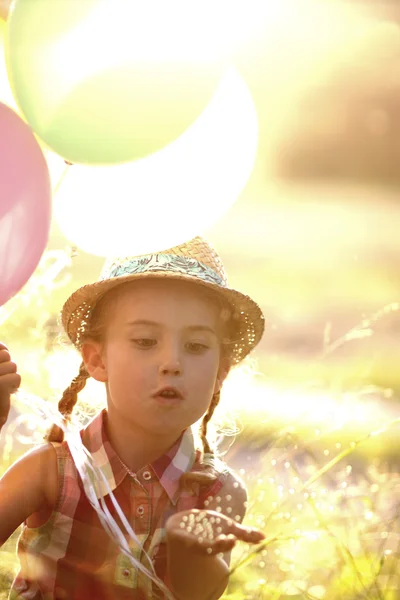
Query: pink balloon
[{"x": 25, "y": 203}]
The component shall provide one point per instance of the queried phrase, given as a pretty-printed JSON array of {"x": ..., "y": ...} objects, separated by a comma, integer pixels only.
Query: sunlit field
[
  {"x": 314, "y": 436},
  {"x": 311, "y": 421}
]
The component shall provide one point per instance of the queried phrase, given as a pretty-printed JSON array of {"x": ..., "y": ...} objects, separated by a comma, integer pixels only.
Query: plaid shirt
[{"x": 71, "y": 556}]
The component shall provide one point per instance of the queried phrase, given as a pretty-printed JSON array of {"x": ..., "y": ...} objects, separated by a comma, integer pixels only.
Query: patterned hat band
[{"x": 159, "y": 263}]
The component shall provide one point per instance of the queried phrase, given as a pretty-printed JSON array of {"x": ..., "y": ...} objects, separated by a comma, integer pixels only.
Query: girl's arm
[
  {"x": 193, "y": 573},
  {"x": 195, "y": 577},
  {"x": 29, "y": 486}
]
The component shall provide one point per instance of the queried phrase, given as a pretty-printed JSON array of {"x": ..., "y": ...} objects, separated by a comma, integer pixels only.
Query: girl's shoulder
[
  {"x": 228, "y": 495},
  {"x": 42, "y": 462},
  {"x": 232, "y": 484},
  {"x": 222, "y": 481},
  {"x": 28, "y": 487},
  {"x": 47, "y": 455}
]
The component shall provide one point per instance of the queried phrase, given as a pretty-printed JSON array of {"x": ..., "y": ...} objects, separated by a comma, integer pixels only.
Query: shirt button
[
  {"x": 147, "y": 475},
  {"x": 126, "y": 572},
  {"x": 140, "y": 510}
]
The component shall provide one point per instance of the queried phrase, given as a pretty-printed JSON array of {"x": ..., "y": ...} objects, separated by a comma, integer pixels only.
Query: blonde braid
[
  {"x": 207, "y": 476},
  {"x": 203, "y": 429},
  {"x": 68, "y": 401}
]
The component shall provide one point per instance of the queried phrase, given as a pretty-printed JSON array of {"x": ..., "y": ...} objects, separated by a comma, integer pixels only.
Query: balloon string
[
  {"x": 94, "y": 481},
  {"x": 61, "y": 179}
]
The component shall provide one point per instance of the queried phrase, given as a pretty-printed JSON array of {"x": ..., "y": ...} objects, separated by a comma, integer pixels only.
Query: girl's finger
[
  {"x": 11, "y": 382},
  {"x": 4, "y": 354},
  {"x": 223, "y": 543},
  {"x": 247, "y": 534},
  {"x": 4, "y": 409},
  {"x": 7, "y": 367},
  {"x": 204, "y": 546}
]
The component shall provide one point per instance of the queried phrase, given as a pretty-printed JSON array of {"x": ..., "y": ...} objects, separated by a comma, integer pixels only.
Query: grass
[
  {"x": 8, "y": 565},
  {"x": 333, "y": 527}
]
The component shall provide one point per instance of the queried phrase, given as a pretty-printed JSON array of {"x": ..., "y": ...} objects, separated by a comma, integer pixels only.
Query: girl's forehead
[
  {"x": 159, "y": 296},
  {"x": 153, "y": 287}
]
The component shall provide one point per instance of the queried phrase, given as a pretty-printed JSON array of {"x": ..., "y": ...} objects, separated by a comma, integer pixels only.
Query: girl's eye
[
  {"x": 144, "y": 342},
  {"x": 196, "y": 347}
]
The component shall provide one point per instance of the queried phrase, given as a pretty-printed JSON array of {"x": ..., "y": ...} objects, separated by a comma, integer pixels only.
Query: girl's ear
[{"x": 92, "y": 354}]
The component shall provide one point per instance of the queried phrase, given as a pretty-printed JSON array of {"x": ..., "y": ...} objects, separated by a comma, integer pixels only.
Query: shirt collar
[{"x": 168, "y": 468}]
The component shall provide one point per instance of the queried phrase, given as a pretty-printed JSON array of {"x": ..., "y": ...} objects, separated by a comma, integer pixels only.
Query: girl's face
[{"x": 159, "y": 334}]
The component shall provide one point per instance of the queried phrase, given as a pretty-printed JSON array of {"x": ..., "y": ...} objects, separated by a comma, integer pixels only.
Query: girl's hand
[
  {"x": 209, "y": 532},
  {"x": 9, "y": 382}
]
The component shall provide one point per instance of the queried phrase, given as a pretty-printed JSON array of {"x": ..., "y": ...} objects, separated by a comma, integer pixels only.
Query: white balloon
[{"x": 171, "y": 196}]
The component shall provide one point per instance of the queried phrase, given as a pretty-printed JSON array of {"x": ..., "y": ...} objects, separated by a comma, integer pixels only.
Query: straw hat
[{"x": 195, "y": 261}]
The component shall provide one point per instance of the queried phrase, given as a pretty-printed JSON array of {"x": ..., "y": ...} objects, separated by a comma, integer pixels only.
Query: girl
[{"x": 161, "y": 331}]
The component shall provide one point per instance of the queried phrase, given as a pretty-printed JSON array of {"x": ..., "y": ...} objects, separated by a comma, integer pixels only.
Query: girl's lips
[
  {"x": 171, "y": 389},
  {"x": 167, "y": 401}
]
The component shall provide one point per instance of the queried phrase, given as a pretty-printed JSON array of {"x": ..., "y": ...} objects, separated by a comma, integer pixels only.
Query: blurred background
[{"x": 314, "y": 238}]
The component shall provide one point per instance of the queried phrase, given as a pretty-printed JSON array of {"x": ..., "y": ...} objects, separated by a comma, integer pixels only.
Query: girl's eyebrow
[
  {"x": 143, "y": 322},
  {"x": 156, "y": 324}
]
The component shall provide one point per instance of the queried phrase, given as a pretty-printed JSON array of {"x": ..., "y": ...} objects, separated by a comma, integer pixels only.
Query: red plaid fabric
[{"x": 72, "y": 557}]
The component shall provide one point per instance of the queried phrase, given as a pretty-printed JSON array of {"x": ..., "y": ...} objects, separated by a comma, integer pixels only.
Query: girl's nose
[
  {"x": 170, "y": 363},
  {"x": 171, "y": 370}
]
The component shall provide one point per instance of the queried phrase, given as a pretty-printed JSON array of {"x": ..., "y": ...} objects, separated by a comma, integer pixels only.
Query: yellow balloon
[{"x": 110, "y": 81}]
